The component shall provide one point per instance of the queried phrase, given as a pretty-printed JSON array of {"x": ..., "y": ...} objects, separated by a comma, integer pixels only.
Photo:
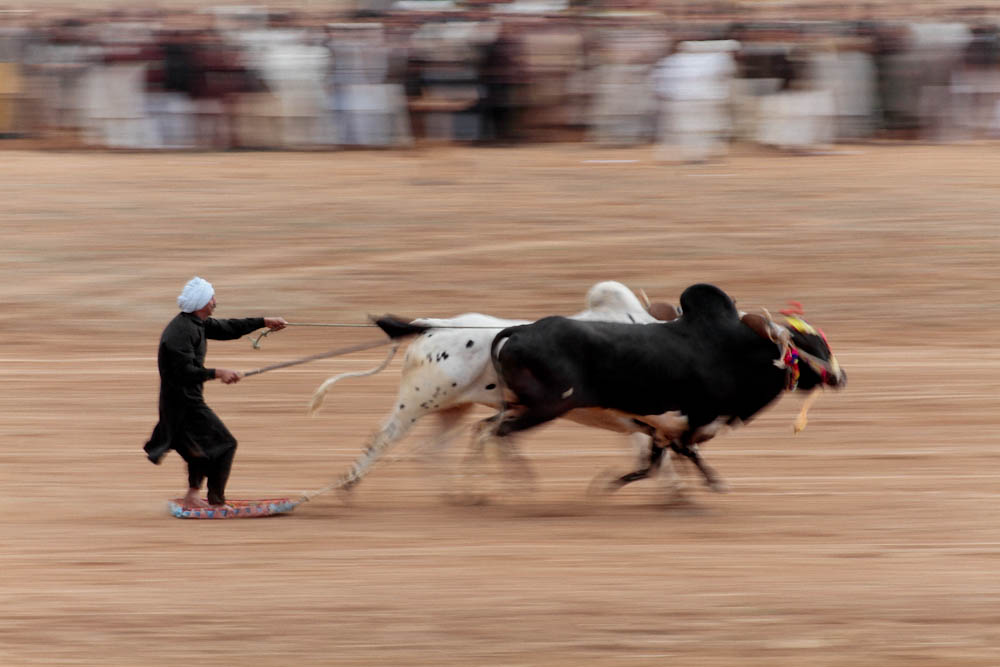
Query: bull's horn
[{"x": 644, "y": 298}]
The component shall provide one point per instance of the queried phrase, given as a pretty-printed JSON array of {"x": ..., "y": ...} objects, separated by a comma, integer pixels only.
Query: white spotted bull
[{"x": 447, "y": 369}]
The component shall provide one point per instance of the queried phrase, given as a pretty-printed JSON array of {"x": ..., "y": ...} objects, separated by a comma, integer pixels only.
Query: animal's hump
[
  {"x": 707, "y": 303},
  {"x": 611, "y": 294}
]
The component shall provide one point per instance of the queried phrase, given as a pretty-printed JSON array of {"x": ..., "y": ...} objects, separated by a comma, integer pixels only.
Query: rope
[
  {"x": 256, "y": 341},
  {"x": 322, "y": 355},
  {"x": 317, "y": 399},
  {"x": 317, "y": 324},
  {"x": 429, "y": 326},
  {"x": 338, "y": 484},
  {"x": 351, "y": 477}
]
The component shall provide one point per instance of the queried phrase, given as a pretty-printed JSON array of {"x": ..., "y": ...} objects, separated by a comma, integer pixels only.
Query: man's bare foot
[{"x": 193, "y": 501}]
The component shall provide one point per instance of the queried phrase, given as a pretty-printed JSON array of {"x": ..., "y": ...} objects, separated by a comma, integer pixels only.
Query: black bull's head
[{"x": 809, "y": 359}]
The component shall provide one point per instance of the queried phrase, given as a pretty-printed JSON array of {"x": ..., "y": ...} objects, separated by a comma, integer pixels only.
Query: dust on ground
[{"x": 871, "y": 538}]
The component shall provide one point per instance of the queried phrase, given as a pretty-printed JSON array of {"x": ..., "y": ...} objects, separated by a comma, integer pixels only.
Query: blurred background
[
  {"x": 689, "y": 77},
  {"x": 324, "y": 161}
]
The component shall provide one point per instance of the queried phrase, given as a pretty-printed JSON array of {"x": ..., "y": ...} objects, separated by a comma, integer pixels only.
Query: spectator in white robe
[
  {"x": 695, "y": 86},
  {"x": 169, "y": 100},
  {"x": 296, "y": 67},
  {"x": 116, "y": 90},
  {"x": 367, "y": 108},
  {"x": 846, "y": 69},
  {"x": 57, "y": 62},
  {"x": 624, "y": 106},
  {"x": 800, "y": 118}
]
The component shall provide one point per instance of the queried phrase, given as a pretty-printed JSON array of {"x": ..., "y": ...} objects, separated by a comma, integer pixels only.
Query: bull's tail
[
  {"x": 397, "y": 327},
  {"x": 498, "y": 342},
  {"x": 495, "y": 346},
  {"x": 317, "y": 397}
]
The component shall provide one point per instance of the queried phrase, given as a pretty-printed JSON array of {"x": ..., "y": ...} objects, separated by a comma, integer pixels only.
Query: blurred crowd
[{"x": 524, "y": 71}]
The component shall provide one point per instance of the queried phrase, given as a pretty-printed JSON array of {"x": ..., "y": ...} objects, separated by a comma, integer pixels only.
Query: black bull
[{"x": 679, "y": 381}]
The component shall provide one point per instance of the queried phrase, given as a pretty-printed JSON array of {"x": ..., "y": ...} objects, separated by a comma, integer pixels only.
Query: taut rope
[{"x": 256, "y": 341}]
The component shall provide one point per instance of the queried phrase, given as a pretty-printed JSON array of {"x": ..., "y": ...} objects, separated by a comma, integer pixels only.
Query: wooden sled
[{"x": 239, "y": 509}]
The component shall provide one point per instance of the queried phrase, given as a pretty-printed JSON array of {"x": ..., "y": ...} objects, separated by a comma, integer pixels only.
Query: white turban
[{"x": 196, "y": 295}]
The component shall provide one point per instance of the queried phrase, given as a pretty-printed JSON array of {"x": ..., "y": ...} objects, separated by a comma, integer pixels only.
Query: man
[
  {"x": 696, "y": 86},
  {"x": 187, "y": 425}
]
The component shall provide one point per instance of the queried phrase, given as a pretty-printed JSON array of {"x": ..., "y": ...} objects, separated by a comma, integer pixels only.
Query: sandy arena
[{"x": 872, "y": 538}]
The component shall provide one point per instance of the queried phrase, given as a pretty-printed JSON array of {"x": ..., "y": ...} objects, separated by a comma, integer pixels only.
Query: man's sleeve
[{"x": 233, "y": 328}]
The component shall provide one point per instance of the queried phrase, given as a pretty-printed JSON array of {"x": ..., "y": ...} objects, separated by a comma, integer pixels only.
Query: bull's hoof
[
  {"x": 603, "y": 484},
  {"x": 465, "y": 499},
  {"x": 678, "y": 499},
  {"x": 718, "y": 486},
  {"x": 519, "y": 488},
  {"x": 346, "y": 494},
  {"x": 676, "y": 488}
]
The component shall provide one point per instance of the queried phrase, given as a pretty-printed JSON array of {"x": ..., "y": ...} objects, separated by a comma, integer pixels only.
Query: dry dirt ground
[{"x": 872, "y": 538}]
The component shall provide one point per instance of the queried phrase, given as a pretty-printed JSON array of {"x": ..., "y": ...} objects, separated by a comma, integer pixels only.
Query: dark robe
[{"x": 187, "y": 425}]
